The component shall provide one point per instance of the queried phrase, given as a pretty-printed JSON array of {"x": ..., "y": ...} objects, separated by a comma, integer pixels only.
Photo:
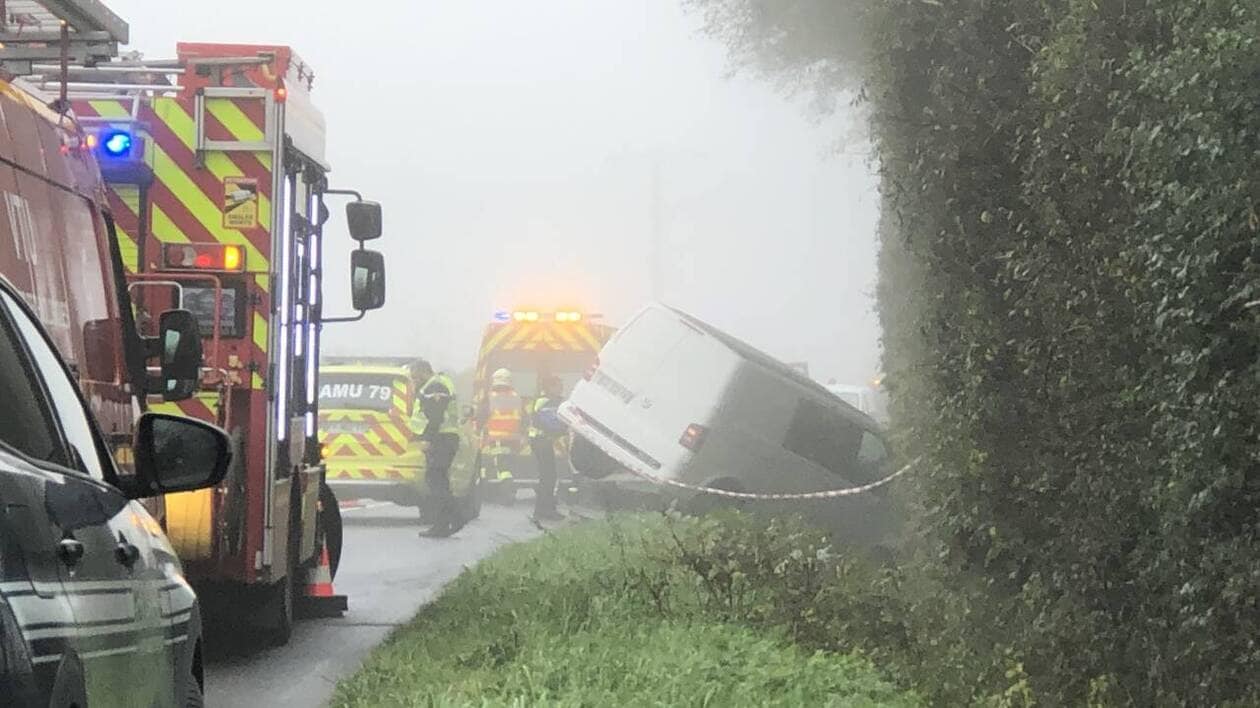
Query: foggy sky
[{"x": 511, "y": 145}]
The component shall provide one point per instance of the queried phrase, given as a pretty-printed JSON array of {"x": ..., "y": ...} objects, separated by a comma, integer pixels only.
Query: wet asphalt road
[{"x": 388, "y": 572}]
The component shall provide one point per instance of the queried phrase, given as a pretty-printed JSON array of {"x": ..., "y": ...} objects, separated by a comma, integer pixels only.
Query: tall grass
[{"x": 616, "y": 613}]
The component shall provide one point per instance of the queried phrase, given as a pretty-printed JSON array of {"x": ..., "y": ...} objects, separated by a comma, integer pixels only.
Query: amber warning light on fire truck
[{"x": 214, "y": 257}]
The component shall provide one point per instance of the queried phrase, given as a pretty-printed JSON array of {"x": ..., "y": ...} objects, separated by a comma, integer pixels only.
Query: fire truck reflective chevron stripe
[
  {"x": 186, "y": 202},
  {"x": 238, "y": 123},
  {"x": 124, "y": 202},
  {"x": 185, "y": 199}
]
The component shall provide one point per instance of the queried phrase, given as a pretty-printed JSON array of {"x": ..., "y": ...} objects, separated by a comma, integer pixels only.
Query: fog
[{"x": 513, "y": 146}]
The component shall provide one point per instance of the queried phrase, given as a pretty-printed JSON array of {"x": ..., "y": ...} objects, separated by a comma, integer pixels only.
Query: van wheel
[{"x": 590, "y": 461}]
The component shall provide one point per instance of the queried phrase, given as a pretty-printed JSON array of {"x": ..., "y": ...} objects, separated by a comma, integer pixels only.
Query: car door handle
[
  {"x": 126, "y": 552},
  {"x": 70, "y": 551}
]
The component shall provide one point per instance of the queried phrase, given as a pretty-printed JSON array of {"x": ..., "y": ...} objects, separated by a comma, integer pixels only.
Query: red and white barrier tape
[{"x": 828, "y": 494}]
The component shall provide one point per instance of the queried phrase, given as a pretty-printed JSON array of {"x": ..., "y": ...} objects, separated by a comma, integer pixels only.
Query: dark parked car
[{"x": 94, "y": 607}]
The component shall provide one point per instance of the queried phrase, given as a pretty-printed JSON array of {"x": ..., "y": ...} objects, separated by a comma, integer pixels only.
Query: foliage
[
  {"x": 1071, "y": 309},
  {"x": 608, "y": 614}
]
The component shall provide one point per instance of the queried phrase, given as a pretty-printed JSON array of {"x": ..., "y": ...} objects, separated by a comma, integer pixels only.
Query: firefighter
[
  {"x": 435, "y": 421},
  {"x": 544, "y": 428},
  {"x": 500, "y": 419}
]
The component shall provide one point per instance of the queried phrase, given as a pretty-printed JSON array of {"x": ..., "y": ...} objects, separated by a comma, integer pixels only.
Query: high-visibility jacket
[
  {"x": 504, "y": 423},
  {"x": 543, "y": 408},
  {"x": 436, "y": 409}
]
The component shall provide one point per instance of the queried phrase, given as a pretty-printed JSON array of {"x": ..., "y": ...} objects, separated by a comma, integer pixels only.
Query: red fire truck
[{"x": 217, "y": 183}]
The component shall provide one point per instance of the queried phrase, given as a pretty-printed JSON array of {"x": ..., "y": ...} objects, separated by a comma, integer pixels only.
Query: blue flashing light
[
  {"x": 502, "y": 316},
  {"x": 117, "y": 144}
]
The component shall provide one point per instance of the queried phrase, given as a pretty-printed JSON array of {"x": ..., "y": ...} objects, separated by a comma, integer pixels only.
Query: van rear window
[
  {"x": 823, "y": 436},
  {"x": 368, "y": 392}
]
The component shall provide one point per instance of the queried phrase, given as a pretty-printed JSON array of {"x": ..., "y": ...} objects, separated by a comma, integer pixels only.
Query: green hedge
[{"x": 1070, "y": 294}]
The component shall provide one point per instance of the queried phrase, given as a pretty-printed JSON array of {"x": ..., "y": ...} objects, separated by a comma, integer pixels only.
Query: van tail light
[
  {"x": 590, "y": 370},
  {"x": 693, "y": 437}
]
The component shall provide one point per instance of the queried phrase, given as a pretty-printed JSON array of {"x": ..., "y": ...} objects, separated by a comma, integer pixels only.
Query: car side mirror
[
  {"x": 179, "y": 350},
  {"x": 367, "y": 280},
  {"x": 364, "y": 220},
  {"x": 177, "y": 454}
]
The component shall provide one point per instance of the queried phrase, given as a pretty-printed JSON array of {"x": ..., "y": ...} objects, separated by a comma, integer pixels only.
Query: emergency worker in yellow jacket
[
  {"x": 544, "y": 428},
  {"x": 435, "y": 421}
]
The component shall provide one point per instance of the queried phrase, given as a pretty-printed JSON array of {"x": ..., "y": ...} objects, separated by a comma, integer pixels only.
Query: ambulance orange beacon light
[{"x": 525, "y": 315}]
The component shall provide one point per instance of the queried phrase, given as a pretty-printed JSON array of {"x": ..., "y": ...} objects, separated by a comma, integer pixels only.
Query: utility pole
[{"x": 658, "y": 226}]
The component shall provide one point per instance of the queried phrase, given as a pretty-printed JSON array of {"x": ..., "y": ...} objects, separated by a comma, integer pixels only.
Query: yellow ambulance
[{"x": 364, "y": 428}]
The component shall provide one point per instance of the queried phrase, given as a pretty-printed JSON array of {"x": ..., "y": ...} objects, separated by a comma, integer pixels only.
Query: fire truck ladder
[{"x": 81, "y": 31}]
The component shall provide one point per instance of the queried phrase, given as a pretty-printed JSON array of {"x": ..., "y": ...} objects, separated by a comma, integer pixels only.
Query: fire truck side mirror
[
  {"x": 177, "y": 454},
  {"x": 367, "y": 280},
  {"x": 364, "y": 220},
  {"x": 179, "y": 339}
]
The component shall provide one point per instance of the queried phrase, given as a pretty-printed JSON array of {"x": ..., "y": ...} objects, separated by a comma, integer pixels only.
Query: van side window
[
  {"x": 824, "y": 437},
  {"x": 27, "y": 424},
  {"x": 872, "y": 451},
  {"x": 66, "y": 405},
  {"x": 872, "y": 454}
]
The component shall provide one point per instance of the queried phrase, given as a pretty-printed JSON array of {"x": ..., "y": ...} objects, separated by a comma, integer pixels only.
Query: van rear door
[{"x": 655, "y": 378}]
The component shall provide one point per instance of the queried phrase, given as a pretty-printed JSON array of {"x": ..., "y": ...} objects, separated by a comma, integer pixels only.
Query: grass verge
[{"x": 596, "y": 615}]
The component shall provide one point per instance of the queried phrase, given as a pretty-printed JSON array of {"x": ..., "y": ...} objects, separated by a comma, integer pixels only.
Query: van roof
[{"x": 764, "y": 360}]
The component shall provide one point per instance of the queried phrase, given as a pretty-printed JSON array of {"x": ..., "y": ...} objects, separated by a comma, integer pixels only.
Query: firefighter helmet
[{"x": 501, "y": 377}]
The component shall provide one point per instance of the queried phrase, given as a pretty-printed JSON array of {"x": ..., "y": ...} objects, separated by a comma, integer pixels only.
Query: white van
[{"x": 676, "y": 398}]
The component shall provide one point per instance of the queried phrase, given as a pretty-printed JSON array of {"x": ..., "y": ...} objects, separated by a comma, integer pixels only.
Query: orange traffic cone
[
  {"x": 320, "y": 600},
  {"x": 319, "y": 580}
]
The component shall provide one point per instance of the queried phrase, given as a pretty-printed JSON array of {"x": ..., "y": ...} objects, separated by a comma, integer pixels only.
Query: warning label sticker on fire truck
[{"x": 240, "y": 203}]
